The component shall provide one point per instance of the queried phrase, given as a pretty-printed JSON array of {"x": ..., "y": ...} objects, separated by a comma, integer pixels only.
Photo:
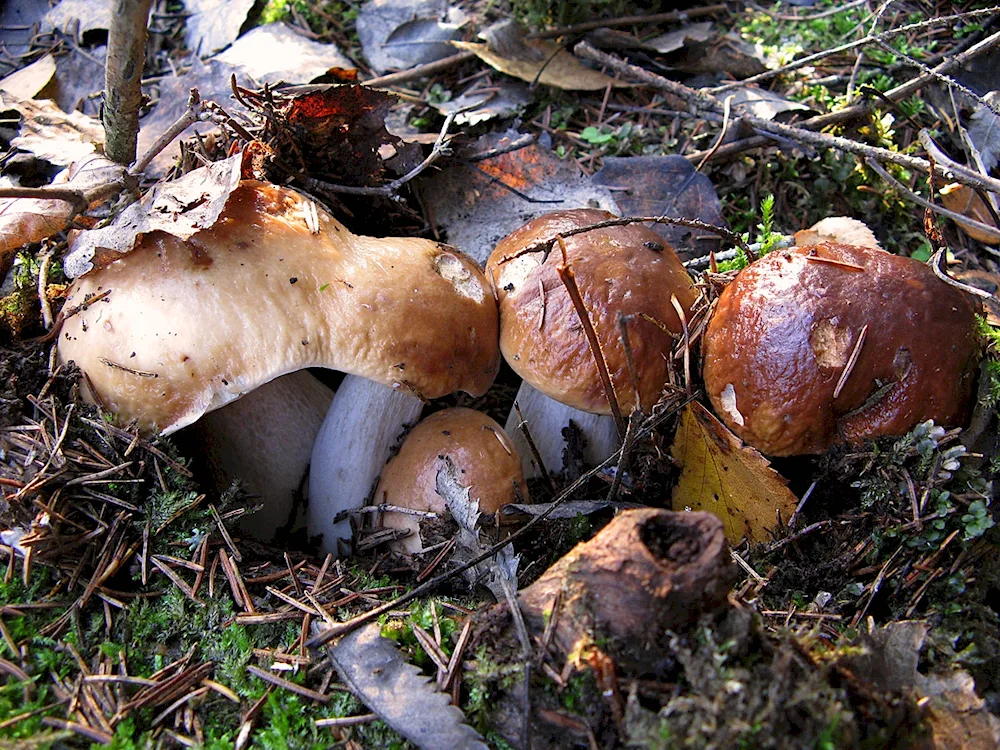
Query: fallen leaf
[
  {"x": 213, "y": 24},
  {"x": 989, "y": 283},
  {"x": 78, "y": 84},
  {"x": 503, "y": 99},
  {"x": 212, "y": 79},
  {"x": 180, "y": 208},
  {"x": 958, "y": 718},
  {"x": 719, "y": 53},
  {"x": 666, "y": 186},
  {"x": 551, "y": 65},
  {"x": 376, "y": 672},
  {"x": 984, "y": 131},
  {"x": 25, "y": 220},
  {"x": 964, "y": 200},
  {"x": 842, "y": 229},
  {"x": 276, "y": 52},
  {"x": 53, "y": 135},
  {"x": 675, "y": 40},
  {"x": 479, "y": 203},
  {"x": 762, "y": 103},
  {"x": 28, "y": 81},
  {"x": 722, "y": 475},
  {"x": 399, "y": 34},
  {"x": 91, "y": 15}
]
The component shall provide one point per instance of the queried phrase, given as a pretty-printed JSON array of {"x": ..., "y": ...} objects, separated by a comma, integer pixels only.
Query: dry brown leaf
[
  {"x": 842, "y": 229},
  {"x": 722, "y": 475},
  {"x": 28, "y": 81},
  {"x": 180, "y": 208},
  {"x": 554, "y": 66},
  {"x": 26, "y": 220},
  {"x": 966, "y": 201},
  {"x": 53, "y": 135}
]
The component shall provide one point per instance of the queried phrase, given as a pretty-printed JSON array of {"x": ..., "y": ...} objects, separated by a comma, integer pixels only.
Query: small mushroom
[
  {"x": 176, "y": 328},
  {"x": 814, "y": 346},
  {"x": 627, "y": 270},
  {"x": 465, "y": 442}
]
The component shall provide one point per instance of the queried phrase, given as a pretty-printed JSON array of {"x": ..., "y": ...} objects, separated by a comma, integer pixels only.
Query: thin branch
[
  {"x": 870, "y": 39},
  {"x": 877, "y": 168},
  {"x": 798, "y": 134},
  {"x": 195, "y": 111}
]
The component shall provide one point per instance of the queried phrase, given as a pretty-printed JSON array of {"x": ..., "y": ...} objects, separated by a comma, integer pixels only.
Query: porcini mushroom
[
  {"x": 176, "y": 328},
  {"x": 464, "y": 441},
  {"x": 620, "y": 269},
  {"x": 813, "y": 346}
]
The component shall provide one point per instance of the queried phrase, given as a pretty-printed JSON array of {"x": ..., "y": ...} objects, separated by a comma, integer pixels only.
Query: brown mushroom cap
[
  {"x": 276, "y": 285},
  {"x": 627, "y": 269},
  {"x": 784, "y": 332},
  {"x": 483, "y": 456}
]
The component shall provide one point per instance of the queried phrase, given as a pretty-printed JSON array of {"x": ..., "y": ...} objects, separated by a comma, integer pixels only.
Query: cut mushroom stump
[
  {"x": 623, "y": 269},
  {"x": 815, "y": 346},
  {"x": 181, "y": 328}
]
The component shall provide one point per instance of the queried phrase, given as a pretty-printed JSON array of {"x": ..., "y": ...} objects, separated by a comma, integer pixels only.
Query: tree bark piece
[{"x": 122, "y": 78}]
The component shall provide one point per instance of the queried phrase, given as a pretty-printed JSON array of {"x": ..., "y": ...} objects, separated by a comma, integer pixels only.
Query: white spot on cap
[
  {"x": 728, "y": 398},
  {"x": 451, "y": 268}
]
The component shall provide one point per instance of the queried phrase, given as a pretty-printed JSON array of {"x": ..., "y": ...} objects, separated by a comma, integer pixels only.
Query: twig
[
  {"x": 870, "y": 39},
  {"x": 415, "y": 593},
  {"x": 881, "y": 172},
  {"x": 123, "y": 78},
  {"x": 565, "y": 270},
  {"x": 851, "y": 361},
  {"x": 391, "y": 187},
  {"x": 194, "y": 112},
  {"x": 522, "y": 425},
  {"x": 798, "y": 134},
  {"x": 727, "y": 104},
  {"x": 935, "y": 264}
]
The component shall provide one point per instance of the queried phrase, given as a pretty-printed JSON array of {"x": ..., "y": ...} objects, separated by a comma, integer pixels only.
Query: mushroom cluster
[
  {"x": 625, "y": 270},
  {"x": 176, "y": 329},
  {"x": 814, "y": 346}
]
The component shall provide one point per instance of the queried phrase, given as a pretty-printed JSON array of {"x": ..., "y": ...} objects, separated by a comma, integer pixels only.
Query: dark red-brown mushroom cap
[
  {"x": 778, "y": 349},
  {"x": 627, "y": 269}
]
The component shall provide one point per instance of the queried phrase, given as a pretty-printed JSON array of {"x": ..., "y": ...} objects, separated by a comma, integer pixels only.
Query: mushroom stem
[
  {"x": 265, "y": 440},
  {"x": 354, "y": 443},
  {"x": 545, "y": 419}
]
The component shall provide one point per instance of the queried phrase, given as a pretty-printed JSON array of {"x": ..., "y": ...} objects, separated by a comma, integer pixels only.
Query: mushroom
[
  {"x": 176, "y": 328},
  {"x": 463, "y": 441},
  {"x": 814, "y": 346},
  {"x": 627, "y": 270}
]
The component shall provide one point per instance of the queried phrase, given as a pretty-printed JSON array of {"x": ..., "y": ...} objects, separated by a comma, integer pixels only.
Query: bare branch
[{"x": 123, "y": 76}]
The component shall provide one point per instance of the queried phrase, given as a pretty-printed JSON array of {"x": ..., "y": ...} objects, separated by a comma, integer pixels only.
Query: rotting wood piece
[{"x": 648, "y": 572}]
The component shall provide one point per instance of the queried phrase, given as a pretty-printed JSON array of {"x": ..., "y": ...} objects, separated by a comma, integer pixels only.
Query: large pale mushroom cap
[
  {"x": 627, "y": 269},
  {"x": 779, "y": 349},
  {"x": 276, "y": 285},
  {"x": 482, "y": 456}
]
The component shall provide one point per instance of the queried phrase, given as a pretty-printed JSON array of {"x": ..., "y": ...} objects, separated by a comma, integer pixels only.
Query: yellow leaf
[
  {"x": 557, "y": 66},
  {"x": 722, "y": 475}
]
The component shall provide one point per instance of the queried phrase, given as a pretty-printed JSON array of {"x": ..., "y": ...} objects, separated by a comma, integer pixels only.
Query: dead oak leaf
[
  {"x": 722, "y": 475},
  {"x": 549, "y": 64}
]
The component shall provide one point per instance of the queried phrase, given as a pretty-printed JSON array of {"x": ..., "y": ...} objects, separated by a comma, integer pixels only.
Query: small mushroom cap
[
  {"x": 624, "y": 269},
  {"x": 483, "y": 456},
  {"x": 785, "y": 330},
  {"x": 276, "y": 285}
]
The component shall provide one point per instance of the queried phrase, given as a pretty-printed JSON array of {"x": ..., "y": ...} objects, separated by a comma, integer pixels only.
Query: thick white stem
[
  {"x": 265, "y": 440},
  {"x": 546, "y": 419},
  {"x": 363, "y": 424}
]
